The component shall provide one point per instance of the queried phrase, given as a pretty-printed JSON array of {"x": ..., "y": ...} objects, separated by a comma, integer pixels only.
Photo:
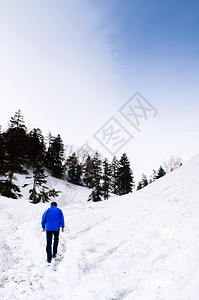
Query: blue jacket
[{"x": 52, "y": 219}]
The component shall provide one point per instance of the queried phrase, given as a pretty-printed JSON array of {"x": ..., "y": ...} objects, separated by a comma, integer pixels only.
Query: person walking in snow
[{"x": 52, "y": 220}]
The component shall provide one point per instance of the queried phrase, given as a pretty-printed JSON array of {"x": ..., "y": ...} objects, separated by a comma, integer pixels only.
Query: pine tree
[
  {"x": 139, "y": 186},
  {"x": 106, "y": 184},
  {"x": 154, "y": 175},
  {"x": 125, "y": 176},
  {"x": 144, "y": 181},
  {"x": 74, "y": 169},
  {"x": 96, "y": 193},
  {"x": 2, "y": 156},
  {"x": 115, "y": 176},
  {"x": 39, "y": 181},
  {"x": 40, "y": 192},
  {"x": 36, "y": 147},
  {"x": 161, "y": 172},
  {"x": 36, "y": 153},
  {"x": 17, "y": 122},
  {"x": 150, "y": 180},
  {"x": 87, "y": 172},
  {"x": 55, "y": 157},
  {"x": 49, "y": 138},
  {"x": 15, "y": 143}
]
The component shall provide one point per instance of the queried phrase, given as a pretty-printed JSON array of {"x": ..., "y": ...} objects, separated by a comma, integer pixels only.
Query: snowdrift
[{"x": 143, "y": 246}]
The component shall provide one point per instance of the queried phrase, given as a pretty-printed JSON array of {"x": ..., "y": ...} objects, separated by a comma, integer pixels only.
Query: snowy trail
[
  {"x": 22, "y": 268},
  {"x": 143, "y": 246}
]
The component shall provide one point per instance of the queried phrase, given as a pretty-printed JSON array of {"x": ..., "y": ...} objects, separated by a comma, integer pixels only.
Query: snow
[{"x": 142, "y": 246}]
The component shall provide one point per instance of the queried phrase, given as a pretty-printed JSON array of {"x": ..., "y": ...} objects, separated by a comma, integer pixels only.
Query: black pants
[{"x": 49, "y": 236}]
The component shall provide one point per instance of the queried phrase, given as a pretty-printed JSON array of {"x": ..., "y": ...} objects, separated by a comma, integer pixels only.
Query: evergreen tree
[
  {"x": 55, "y": 157},
  {"x": 150, "y": 180},
  {"x": 97, "y": 176},
  {"x": 37, "y": 147},
  {"x": 125, "y": 176},
  {"x": 87, "y": 172},
  {"x": 139, "y": 186},
  {"x": 106, "y": 184},
  {"x": 40, "y": 192},
  {"x": 144, "y": 181},
  {"x": 2, "y": 156},
  {"x": 115, "y": 176},
  {"x": 39, "y": 181},
  {"x": 49, "y": 138},
  {"x": 154, "y": 175},
  {"x": 74, "y": 169},
  {"x": 15, "y": 143},
  {"x": 36, "y": 153},
  {"x": 17, "y": 122},
  {"x": 161, "y": 172}
]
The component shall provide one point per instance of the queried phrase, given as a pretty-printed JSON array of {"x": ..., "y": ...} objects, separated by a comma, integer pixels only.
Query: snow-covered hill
[
  {"x": 69, "y": 193},
  {"x": 143, "y": 246}
]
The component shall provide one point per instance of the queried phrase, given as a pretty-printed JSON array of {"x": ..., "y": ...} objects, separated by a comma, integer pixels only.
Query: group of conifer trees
[
  {"x": 156, "y": 175},
  {"x": 101, "y": 176},
  {"x": 22, "y": 151}
]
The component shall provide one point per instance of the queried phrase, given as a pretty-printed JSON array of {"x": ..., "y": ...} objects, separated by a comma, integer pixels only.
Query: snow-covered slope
[
  {"x": 69, "y": 193},
  {"x": 143, "y": 246}
]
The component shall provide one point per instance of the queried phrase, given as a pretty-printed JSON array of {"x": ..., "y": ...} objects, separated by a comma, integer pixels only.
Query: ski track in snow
[{"x": 143, "y": 246}]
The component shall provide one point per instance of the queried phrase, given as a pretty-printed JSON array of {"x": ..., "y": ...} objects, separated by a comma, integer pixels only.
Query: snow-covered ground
[{"x": 143, "y": 246}]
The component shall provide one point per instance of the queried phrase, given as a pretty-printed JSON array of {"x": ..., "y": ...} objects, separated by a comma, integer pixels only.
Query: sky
[{"x": 71, "y": 66}]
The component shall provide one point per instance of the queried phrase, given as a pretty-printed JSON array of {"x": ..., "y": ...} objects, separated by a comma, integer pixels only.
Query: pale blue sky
[{"x": 70, "y": 65}]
